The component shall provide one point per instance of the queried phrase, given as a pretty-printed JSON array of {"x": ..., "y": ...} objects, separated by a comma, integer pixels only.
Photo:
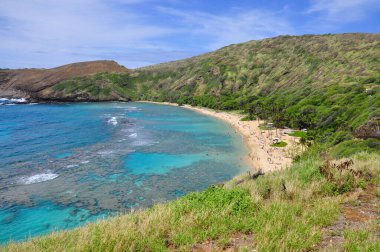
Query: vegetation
[
  {"x": 279, "y": 144},
  {"x": 249, "y": 118},
  {"x": 101, "y": 86},
  {"x": 363, "y": 239},
  {"x": 298, "y": 133},
  {"x": 328, "y": 84},
  {"x": 283, "y": 210},
  {"x": 265, "y": 126}
]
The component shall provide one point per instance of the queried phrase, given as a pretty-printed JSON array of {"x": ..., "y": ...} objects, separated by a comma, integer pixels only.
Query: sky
[{"x": 135, "y": 33}]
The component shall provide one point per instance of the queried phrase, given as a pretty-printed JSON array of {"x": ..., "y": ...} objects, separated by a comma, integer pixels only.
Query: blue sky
[{"x": 49, "y": 33}]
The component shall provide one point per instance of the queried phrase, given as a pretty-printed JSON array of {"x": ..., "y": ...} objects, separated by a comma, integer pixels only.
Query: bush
[
  {"x": 280, "y": 144},
  {"x": 248, "y": 118}
]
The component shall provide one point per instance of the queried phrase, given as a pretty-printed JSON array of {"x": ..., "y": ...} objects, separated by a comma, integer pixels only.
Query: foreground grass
[
  {"x": 283, "y": 210},
  {"x": 364, "y": 239}
]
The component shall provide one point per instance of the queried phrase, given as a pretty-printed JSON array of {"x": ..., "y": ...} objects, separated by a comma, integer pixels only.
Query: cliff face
[{"x": 36, "y": 83}]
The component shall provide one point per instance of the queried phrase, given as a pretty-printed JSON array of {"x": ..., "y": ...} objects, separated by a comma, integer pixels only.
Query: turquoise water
[{"x": 63, "y": 165}]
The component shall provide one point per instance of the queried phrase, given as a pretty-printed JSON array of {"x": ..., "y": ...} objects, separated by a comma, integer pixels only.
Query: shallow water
[{"x": 63, "y": 165}]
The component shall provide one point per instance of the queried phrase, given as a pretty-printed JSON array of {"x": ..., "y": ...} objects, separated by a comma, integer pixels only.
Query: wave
[
  {"x": 6, "y": 101},
  {"x": 133, "y": 135},
  {"x": 128, "y": 130},
  {"x": 105, "y": 152},
  {"x": 142, "y": 142},
  {"x": 72, "y": 165},
  {"x": 112, "y": 120},
  {"x": 38, "y": 178}
]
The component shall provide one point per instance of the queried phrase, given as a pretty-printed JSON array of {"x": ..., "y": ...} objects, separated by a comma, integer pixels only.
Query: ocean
[{"x": 63, "y": 165}]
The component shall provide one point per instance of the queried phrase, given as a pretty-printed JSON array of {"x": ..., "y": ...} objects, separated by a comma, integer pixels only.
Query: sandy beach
[{"x": 261, "y": 154}]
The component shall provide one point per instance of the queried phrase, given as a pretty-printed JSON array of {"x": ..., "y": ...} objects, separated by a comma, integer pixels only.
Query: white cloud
[
  {"x": 343, "y": 11},
  {"x": 241, "y": 26},
  {"x": 40, "y": 33},
  {"x": 64, "y": 28}
]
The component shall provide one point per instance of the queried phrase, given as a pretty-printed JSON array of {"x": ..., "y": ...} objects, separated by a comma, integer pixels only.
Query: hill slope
[
  {"x": 37, "y": 83},
  {"x": 328, "y": 84},
  {"x": 266, "y": 66}
]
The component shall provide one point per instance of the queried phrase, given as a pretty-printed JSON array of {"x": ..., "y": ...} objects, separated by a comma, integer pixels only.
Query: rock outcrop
[{"x": 370, "y": 129}]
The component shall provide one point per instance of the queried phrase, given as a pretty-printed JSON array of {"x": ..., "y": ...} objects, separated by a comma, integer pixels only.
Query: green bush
[{"x": 279, "y": 144}]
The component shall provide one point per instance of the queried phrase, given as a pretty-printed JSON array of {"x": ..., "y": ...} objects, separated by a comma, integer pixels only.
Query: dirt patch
[
  {"x": 237, "y": 242},
  {"x": 354, "y": 215}
]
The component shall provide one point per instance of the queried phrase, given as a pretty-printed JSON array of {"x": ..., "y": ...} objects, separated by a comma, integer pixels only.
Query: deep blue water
[{"x": 63, "y": 165}]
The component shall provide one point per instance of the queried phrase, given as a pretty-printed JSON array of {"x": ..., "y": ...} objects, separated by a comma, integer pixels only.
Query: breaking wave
[
  {"x": 112, "y": 120},
  {"x": 38, "y": 178}
]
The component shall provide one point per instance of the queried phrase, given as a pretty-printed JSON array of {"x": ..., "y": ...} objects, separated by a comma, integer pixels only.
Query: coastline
[{"x": 261, "y": 155}]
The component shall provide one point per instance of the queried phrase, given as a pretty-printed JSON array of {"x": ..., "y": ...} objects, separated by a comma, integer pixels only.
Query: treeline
[{"x": 330, "y": 115}]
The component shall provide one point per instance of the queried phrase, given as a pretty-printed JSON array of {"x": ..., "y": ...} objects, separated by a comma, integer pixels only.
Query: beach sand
[{"x": 261, "y": 155}]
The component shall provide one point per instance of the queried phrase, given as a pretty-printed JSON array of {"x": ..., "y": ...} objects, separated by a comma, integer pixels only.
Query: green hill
[{"x": 328, "y": 84}]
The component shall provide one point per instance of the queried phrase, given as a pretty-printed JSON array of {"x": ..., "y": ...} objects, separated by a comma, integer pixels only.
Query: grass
[
  {"x": 298, "y": 133},
  {"x": 362, "y": 239},
  {"x": 264, "y": 126},
  {"x": 284, "y": 210},
  {"x": 350, "y": 147},
  {"x": 248, "y": 118},
  {"x": 279, "y": 144}
]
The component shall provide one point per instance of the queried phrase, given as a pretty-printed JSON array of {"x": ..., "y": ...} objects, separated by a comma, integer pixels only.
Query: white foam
[
  {"x": 128, "y": 130},
  {"x": 13, "y": 100},
  {"x": 85, "y": 162},
  {"x": 105, "y": 152},
  {"x": 72, "y": 166},
  {"x": 142, "y": 143},
  {"x": 38, "y": 178},
  {"x": 133, "y": 135},
  {"x": 18, "y": 100},
  {"x": 112, "y": 120}
]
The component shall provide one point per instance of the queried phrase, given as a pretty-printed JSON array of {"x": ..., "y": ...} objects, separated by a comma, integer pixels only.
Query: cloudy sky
[{"x": 49, "y": 33}]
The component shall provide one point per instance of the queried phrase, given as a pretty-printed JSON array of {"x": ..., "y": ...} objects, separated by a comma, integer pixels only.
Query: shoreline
[{"x": 261, "y": 155}]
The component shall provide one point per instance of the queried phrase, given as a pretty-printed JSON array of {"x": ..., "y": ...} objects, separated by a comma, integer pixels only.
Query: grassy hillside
[
  {"x": 329, "y": 84},
  {"x": 36, "y": 83},
  {"x": 99, "y": 87},
  {"x": 282, "y": 211}
]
